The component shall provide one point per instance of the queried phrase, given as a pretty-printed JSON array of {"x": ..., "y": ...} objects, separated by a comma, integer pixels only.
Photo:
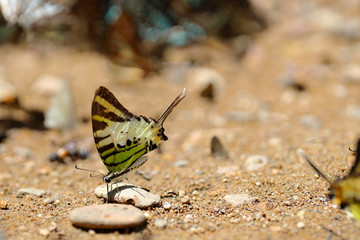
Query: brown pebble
[
  {"x": 108, "y": 216},
  {"x": 3, "y": 204}
]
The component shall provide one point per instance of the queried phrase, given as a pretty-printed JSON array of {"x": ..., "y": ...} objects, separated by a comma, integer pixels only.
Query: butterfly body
[
  {"x": 346, "y": 190},
  {"x": 121, "y": 137}
]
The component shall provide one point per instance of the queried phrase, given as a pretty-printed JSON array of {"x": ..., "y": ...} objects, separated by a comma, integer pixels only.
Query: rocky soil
[{"x": 297, "y": 86}]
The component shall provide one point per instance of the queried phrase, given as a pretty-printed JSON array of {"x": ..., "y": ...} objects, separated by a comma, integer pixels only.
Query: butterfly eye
[
  {"x": 343, "y": 205},
  {"x": 107, "y": 179}
]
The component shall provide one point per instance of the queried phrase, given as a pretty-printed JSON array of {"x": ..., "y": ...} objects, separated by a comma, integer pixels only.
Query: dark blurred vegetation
[{"x": 131, "y": 32}]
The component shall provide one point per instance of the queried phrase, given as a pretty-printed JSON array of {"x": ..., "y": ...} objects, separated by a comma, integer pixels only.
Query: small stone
[
  {"x": 275, "y": 228},
  {"x": 227, "y": 170},
  {"x": 147, "y": 215},
  {"x": 48, "y": 201},
  {"x": 353, "y": 111},
  {"x": 185, "y": 200},
  {"x": 217, "y": 149},
  {"x": 107, "y": 216},
  {"x": 259, "y": 216},
  {"x": 91, "y": 232},
  {"x": 240, "y": 116},
  {"x": 159, "y": 223},
  {"x": 52, "y": 227},
  {"x": 181, "y": 163},
  {"x": 351, "y": 73},
  {"x": 181, "y": 193},
  {"x": 188, "y": 218},
  {"x": 196, "y": 229},
  {"x": 238, "y": 199},
  {"x": 125, "y": 193},
  {"x": 340, "y": 91},
  {"x": 309, "y": 121},
  {"x": 300, "y": 225},
  {"x": 61, "y": 115},
  {"x": 3, "y": 204},
  {"x": 275, "y": 142},
  {"x": 44, "y": 232},
  {"x": 199, "y": 172},
  {"x": 255, "y": 162},
  {"x": 30, "y": 191},
  {"x": 301, "y": 214},
  {"x": 206, "y": 81},
  {"x": 23, "y": 152},
  {"x": 211, "y": 227},
  {"x": 8, "y": 94},
  {"x": 166, "y": 206}
]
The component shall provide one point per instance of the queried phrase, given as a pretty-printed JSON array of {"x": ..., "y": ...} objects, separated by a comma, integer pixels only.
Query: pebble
[
  {"x": 147, "y": 215},
  {"x": 217, "y": 149},
  {"x": 228, "y": 170},
  {"x": 166, "y": 205},
  {"x": 159, "y": 223},
  {"x": 301, "y": 214},
  {"x": 8, "y": 94},
  {"x": 107, "y": 216},
  {"x": 181, "y": 193},
  {"x": 181, "y": 163},
  {"x": 240, "y": 116},
  {"x": 23, "y": 152},
  {"x": 30, "y": 191},
  {"x": 351, "y": 73},
  {"x": 309, "y": 121},
  {"x": 340, "y": 91},
  {"x": 238, "y": 199},
  {"x": 125, "y": 193},
  {"x": 196, "y": 229},
  {"x": 61, "y": 115},
  {"x": 3, "y": 204},
  {"x": 185, "y": 200},
  {"x": 352, "y": 111},
  {"x": 300, "y": 225},
  {"x": 188, "y": 218},
  {"x": 255, "y": 162},
  {"x": 44, "y": 232},
  {"x": 48, "y": 201},
  {"x": 202, "y": 77}
]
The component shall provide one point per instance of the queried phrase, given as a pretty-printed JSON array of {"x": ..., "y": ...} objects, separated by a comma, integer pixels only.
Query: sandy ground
[{"x": 254, "y": 113}]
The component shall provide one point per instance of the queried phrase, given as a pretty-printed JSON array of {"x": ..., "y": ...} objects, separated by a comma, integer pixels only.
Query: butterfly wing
[
  {"x": 355, "y": 169},
  {"x": 121, "y": 137}
]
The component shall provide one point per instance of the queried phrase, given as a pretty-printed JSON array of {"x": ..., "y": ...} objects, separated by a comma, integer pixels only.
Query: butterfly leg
[{"x": 107, "y": 191}]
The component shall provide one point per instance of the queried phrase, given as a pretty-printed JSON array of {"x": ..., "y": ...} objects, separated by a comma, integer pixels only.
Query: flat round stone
[
  {"x": 128, "y": 193},
  {"x": 107, "y": 216}
]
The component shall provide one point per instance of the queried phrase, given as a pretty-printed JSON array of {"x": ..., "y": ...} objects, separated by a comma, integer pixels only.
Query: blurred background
[{"x": 266, "y": 78}]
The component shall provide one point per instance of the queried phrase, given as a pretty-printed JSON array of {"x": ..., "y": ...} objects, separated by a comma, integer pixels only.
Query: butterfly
[
  {"x": 346, "y": 190},
  {"x": 121, "y": 137}
]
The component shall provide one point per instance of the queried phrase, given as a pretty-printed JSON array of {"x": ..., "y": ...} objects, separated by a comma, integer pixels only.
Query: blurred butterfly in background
[
  {"x": 346, "y": 190},
  {"x": 121, "y": 137}
]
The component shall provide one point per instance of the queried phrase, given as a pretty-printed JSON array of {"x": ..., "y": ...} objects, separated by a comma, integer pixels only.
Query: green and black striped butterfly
[
  {"x": 346, "y": 190},
  {"x": 121, "y": 137}
]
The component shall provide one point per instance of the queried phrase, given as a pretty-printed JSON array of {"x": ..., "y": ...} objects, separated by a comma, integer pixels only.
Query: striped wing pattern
[
  {"x": 346, "y": 190},
  {"x": 121, "y": 137}
]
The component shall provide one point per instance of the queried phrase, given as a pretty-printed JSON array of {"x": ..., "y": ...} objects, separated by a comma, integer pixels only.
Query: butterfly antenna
[
  {"x": 313, "y": 165},
  {"x": 176, "y": 101},
  {"x": 89, "y": 170}
]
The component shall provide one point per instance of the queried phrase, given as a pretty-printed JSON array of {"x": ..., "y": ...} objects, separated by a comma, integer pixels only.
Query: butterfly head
[{"x": 107, "y": 179}]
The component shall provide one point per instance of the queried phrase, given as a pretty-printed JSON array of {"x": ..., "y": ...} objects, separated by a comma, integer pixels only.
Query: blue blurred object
[{"x": 155, "y": 21}]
